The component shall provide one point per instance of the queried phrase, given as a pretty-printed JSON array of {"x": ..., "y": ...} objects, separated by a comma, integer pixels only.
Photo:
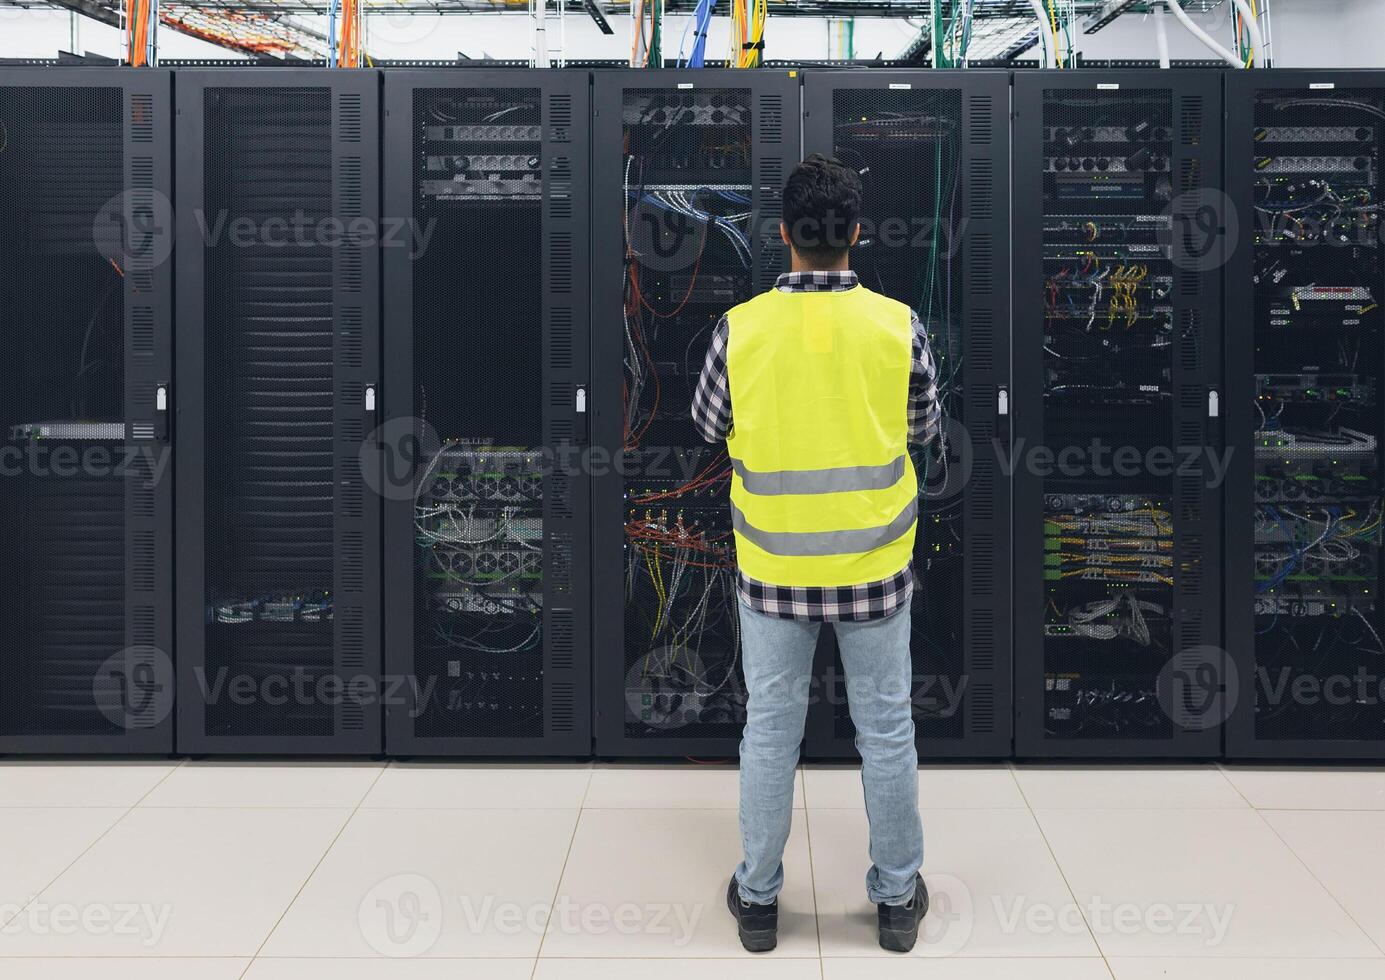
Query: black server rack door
[
  {"x": 488, "y": 615},
  {"x": 932, "y": 149},
  {"x": 1304, "y": 510},
  {"x": 280, "y": 576},
  {"x": 688, "y": 172},
  {"x": 1117, "y": 357},
  {"x": 84, "y": 488}
]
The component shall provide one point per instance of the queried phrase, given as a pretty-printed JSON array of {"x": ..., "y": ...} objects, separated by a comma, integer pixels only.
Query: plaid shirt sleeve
[
  {"x": 925, "y": 411},
  {"x": 711, "y": 405}
]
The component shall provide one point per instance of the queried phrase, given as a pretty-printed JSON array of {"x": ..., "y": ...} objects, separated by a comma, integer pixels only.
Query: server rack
[
  {"x": 1116, "y": 312},
  {"x": 277, "y": 372},
  {"x": 933, "y": 150},
  {"x": 672, "y": 150},
  {"x": 486, "y": 533},
  {"x": 1304, "y": 358},
  {"x": 85, "y": 494}
]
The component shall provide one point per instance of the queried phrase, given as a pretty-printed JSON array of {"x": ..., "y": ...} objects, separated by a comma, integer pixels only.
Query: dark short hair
[{"x": 822, "y": 206}]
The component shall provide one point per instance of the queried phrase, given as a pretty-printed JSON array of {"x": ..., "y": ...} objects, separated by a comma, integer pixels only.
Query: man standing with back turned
[{"x": 829, "y": 382}]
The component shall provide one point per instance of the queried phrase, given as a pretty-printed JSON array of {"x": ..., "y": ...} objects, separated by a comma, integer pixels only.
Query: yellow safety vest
[{"x": 822, "y": 489}]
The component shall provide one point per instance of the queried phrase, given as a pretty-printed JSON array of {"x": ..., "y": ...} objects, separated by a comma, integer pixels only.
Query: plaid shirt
[{"x": 711, "y": 410}]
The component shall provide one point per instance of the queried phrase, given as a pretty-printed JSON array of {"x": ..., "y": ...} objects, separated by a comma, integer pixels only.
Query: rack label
[
  {"x": 1322, "y": 86},
  {"x": 901, "y": 86},
  {"x": 1108, "y": 86}
]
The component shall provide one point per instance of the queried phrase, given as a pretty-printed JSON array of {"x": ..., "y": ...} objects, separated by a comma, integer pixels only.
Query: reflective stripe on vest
[
  {"x": 820, "y": 544},
  {"x": 838, "y": 480}
]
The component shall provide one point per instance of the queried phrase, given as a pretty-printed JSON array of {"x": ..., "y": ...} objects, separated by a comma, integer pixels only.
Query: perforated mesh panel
[
  {"x": 1318, "y": 362},
  {"x": 688, "y": 157},
  {"x": 269, "y": 435},
  {"x": 1112, "y": 555},
  {"x": 908, "y": 147},
  {"x": 484, "y": 553},
  {"x": 62, "y": 518}
]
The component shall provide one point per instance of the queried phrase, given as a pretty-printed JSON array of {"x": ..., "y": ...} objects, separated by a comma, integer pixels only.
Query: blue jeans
[{"x": 778, "y": 656}]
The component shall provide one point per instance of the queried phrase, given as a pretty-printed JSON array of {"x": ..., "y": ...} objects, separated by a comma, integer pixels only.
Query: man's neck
[{"x": 796, "y": 266}]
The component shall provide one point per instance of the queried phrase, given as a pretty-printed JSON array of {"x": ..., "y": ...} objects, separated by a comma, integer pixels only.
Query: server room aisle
[{"x": 220, "y": 870}]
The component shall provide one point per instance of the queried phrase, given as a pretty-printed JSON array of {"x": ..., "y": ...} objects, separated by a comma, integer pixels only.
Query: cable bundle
[
  {"x": 748, "y": 32},
  {"x": 138, "y": 20},
  {"x": 700, "y": 22},
  {"x": 348, "y": 52},
  {"x": 646, "y": 49}
]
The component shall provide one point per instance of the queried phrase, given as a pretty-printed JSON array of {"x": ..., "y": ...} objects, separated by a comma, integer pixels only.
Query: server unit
[
  {"x": 933, "y": 152},
  {"x": 1304, "y": 358},
  {"x": 486, "y": 500},
  {"x": 688, "y": 171},
  {"x": 1116, "y": 408},
  {"x": 278, "y": 360},
  {"x": 85, "y": 485}
]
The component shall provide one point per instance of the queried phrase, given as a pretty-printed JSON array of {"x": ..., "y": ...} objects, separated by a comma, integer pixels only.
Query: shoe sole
[
  {"x": 898, "y": 941},
  {"x": 756, "y": 941}
]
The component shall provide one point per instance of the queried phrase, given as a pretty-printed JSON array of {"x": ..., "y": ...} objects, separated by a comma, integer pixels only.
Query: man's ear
[
  {"x": 855, "y": 232},
  {"x": 784, "y": 234}
]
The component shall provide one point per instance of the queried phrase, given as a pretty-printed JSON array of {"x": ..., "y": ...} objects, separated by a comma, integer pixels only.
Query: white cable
[
  {"x": 1176, "y": 8},
  {"x": 1161, "y": 37},
  {"x": 1050, "y": 54},
  {"x": 1257, "y": 39}
]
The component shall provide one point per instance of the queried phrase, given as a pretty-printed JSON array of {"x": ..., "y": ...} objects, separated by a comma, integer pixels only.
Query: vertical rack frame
[
  {"x": 985, "y": 684},
  {"x": 775, "y": 144},
  {"x": 564, "y": 335},
  {"x": 146, "y": 108},
  {"x": 1195, "y": 629},
  {"x": 357, "y": 719},
  {"x": 1243, "y": 741}
]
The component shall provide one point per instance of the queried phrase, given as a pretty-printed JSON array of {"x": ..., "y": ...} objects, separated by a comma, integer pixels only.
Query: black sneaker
[
  {"x": 899, "y": 924},
  {"x": 757, "y": 924}
]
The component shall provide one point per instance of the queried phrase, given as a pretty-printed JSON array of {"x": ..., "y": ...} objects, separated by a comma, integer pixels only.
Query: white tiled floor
[{"x": 298, "y": 870}]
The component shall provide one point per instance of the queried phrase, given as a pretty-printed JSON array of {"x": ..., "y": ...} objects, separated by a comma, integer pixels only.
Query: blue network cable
[{"x": 701, "y": 20}]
